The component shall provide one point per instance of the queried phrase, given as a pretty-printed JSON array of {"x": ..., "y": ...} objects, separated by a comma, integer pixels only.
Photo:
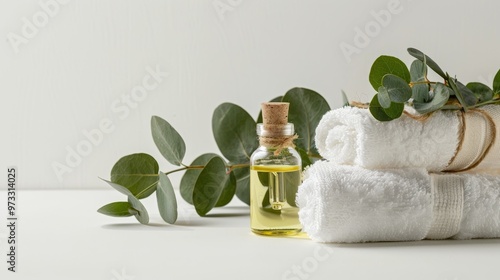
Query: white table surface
[{"x": 61, "y": 236}]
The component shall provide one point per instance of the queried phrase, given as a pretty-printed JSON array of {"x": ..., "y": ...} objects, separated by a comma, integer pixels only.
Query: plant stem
[
  {"x": 485, "y": 103},
  {"x": 422, "y": 82},
  {"x": 186, "y": 167},
  {"x": 232, "y": 167}
]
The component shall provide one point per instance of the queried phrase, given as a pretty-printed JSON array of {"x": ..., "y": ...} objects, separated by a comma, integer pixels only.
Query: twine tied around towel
[{"x": 476, "y": 136}]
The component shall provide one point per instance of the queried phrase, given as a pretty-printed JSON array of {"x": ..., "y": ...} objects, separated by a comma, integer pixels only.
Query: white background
[{"x": 88, "y": 54}]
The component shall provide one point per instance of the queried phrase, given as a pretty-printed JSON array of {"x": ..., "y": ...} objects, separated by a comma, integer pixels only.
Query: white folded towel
[
  {"x": 447, "y": 140},
  {"x": 352, "y": 204}
]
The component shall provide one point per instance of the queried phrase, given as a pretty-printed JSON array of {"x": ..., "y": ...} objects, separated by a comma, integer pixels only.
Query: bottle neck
[{"x": 276, "y": 136}]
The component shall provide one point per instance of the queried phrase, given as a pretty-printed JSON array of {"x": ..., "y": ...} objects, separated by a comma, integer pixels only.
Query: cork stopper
[
  {"x": 275, "y": 113},
  {"x": 275, "y": 120}
]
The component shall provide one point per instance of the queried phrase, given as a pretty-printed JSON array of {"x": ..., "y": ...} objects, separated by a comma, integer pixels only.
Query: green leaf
[
  {"x": 384, "y": 65},
  {"x": 228, "y": 192},
  {"x": 345, "y": 100},
  {"x": 482, "y": 91},
  {"x": 118, "y": 187},
  {"x": 395, "y": 110},
  {"x": 439, "y": 99},
  {"x": 209, "y": 186},
  {"x": 457, "y": 93},
  {"x": 234, "y": 132},
  {"x": 276, "y": 99},
  {"x": 306, "y": 161},
  {"x": 117, "y": 209},
  {"x": 191, "y": 175},
  {"x": 292, "y": 182},
  {"x": 307, "y": 107},
  {"x": 398, "y": 89},
  {"x": 266, "y": 203},
  {"x": 418, "y": 71},
  {"x": 469, "y": 97},
  {"x": 422, "y": 57},
  {"x": 496, "y": 82},
  {"x": 165, "y": 196},
  {"x": 420, "y": 93},
  {"x": 168, "y": 141},
  {"x": 383, "y": 97},
  {"x": 142, "y": 214},
  {"x": 242, "y": 176},
  {"x": 377, "y": 111},
  {"x": 136, "y": 172},
  {"x": 264, "y": 178}
]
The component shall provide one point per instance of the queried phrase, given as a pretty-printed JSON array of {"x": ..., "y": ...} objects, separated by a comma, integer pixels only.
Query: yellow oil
[{"x": 272, "y": 199}]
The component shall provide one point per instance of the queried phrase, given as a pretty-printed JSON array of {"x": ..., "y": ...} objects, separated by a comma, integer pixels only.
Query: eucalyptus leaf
[
  {"x": 457, "y": 93},
  {"x": 377, "y": 111},
  {"x": 482, "y": 91},
  {"x": 191, "y": 175},
  {"x": 292, "y": 183},
  {"x": 209, "y": 186},
  {"x": 345, "y": 100},
  {"x": 420, "y": 93},
  {"x": 117, "y": 209},
  {"x": 439, "y": 99},
  {"x": 418, "y": 71},
  {"x": 142, "y": 214},
  {"x": 384, "y": 65},
  {"x": 469, "y": 96},
  {"x": 265, "y": 201},
  {"x": 383, "y": 97},
  {"x": 228, "y": 192},
  {"x": 306, "y": 160},
  {"x": 307, "y": 107},
  {"x": 395, "y": 110},
  {"x": 234, "y": 132},
  {"x": 496, "y": 83},
  {"x": 423, "y": 57},
  {"x": 242, "y": 176},
  {"x": 136, "y": 172},
  {"x": 264, "y": 178},
  {"x": 168, "y": 141},
  {"x": 276, "y": 99},
  {"x": 118, "y": 187},
  {"x": 398, "y": 89},
  {"x": 165, "y": 196}
]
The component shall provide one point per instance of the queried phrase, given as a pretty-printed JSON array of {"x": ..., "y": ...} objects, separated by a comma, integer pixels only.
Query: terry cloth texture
[{"x": 341, "y": 203}]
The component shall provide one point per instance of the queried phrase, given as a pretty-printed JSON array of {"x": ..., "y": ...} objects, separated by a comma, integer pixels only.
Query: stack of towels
[{"x": 413, "y": 178}]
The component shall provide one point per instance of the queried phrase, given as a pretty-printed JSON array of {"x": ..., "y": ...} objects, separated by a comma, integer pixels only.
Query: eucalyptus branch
[
  {"x": 138, "y": 175},
  {"x": 190, "y": 167},
  {"x": 490, "y": 102},
  {"x": 397, "y": 86},
  {"x": 426, "y": 82},
  {"x": 236, "y": 166},
  {"x": 186, "y": 167}
]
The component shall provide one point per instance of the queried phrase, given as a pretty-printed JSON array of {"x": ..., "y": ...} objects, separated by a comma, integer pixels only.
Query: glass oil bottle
[{"x": 275, "y": 174}]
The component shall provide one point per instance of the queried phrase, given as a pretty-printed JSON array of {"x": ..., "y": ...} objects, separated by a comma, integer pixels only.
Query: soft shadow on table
[
  {"x": 152, "y": 226},
  {"x": 423, "y": 243},
  {"x": 141, "y": 227},
  {"x": 217, "y": 215},
  {"x": 230, "y": 211}
]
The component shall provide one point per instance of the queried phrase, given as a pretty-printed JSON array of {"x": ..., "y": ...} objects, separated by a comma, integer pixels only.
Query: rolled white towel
[
  {"x": 352, "y": 204},
  {"x": 351, "y": 136},
  {"x": 445, "y": 141}
]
